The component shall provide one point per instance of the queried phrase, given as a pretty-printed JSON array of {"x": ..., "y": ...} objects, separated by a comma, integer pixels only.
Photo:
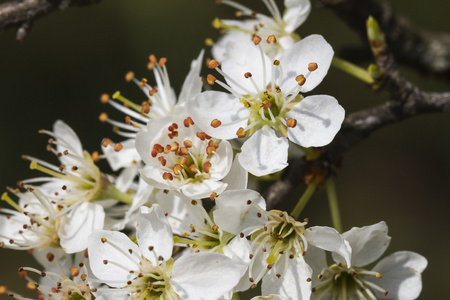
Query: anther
[
  {"x": 291, "y": 122},
  {"x": 271, "y": 39},
  {"x": 215, "y": 123},
  {"x": 242, "y": 236},
  {"x": 213, "y": 196},
  {"x": 276, "y": 62},
  {"x": 240, "y": 133},
  {"x": 256, "y": 39},
  {"x": 194, "y": 202},
  {"x": 212, "y": 64},
  {"x": 104, "y": 240},
  {"x": 249, "y": 202},
  {"x": 300, "y": 80},
  {"x": 104, "y": 98},
  {"x": 210, "y": 79},
  {"x": 308, "y": 279},
  {"x": 278, "y": 275},
  {"x": 248, "y": 75},
  {"x": 118, "y": 147},
  {"x": 312, "y": 67},
  {"x": 129, "y": 76}
]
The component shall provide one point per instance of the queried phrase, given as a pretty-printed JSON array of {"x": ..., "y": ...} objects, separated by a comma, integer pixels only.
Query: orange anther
[
  {"x": 193, "y": 168},
  {"x": 177, "y": 169},
  {"x": 300, "y": 79},
  {"x": 248, "y": 75},
  {"x": 118, "y": 147},
  {"x": 183, "y": 160},
  {"x": 212, "y": 64},
  {"x": 312, "y": 67},
  {"x": 103, "y": 117},
  {"x": 152, "y": 92},
  {"x": 210, "y": 150},
  {"x": 145, "y": 108},
  {"x": 206, "y": 167},
  {"x": 215, "y": 123},
  {"x": 174, "y": 147},
  {"x": 183, "y": 151},
  {"x": 74, "y": 271},
  {"x": 187, "y": 143},
  {"x": 256, "y": 39},
  {"x": 104, "y": 98},
  {"x": 95, "y": 156},
  {"x": 31, "y": 285},
  {"x": 201, "y": 135},
  {"x": 106, "y": 142},
  {"x": 276, "y": 62},
  {"x": 271, "y": 39},
  {"x": 50, "y": 256},
  {"x": 127, "y": 119},
  {"x": 291, "y": 123},
  {"x": 152, "y": 58},
  {"x": 167, "y": 176},
  {"x": 129, "y": 76},
  {"x": 162, "y": 61},
  {"x": 210, "y": 79},
  {"x": 187, "y": 122},
  {"x": 241, "y": 133},
  {"x": 162, "y": 160},
  {"x": 213, "y": 196}
]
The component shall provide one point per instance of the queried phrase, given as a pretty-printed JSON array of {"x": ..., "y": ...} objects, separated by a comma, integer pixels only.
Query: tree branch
[
  {"x": 422, "y": 49},
  {"x": 22, "y": 13},
  {"x": 407, "y": 101}
]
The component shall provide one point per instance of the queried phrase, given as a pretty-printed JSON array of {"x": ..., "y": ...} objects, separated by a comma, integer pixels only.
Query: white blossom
[{"x": 264, "y": 102}]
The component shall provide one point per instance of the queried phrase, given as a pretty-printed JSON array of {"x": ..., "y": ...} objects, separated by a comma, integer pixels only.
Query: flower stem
[
  {"x": 344, "y": 288},
  {"x": 333, "y": 203},
  {"x": 304, "y": 200},
  {"x": 352, "y": 69}
]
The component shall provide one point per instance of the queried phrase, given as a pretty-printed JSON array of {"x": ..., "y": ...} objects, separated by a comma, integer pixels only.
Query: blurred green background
[{"x": 400, "y": 174}]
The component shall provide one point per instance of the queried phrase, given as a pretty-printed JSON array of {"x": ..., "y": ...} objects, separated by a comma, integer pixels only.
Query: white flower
[
  {"x": 264, "y": 99},
  {"x": 397, "y": 276},
  {"x": 77, "y": 194},
  {"x": 147, "y": 271},
  {"x": 283, "y": 26},
  {"x": 161, "y": 101},
  {"x": 278, "y": 242},
  {"x": 182, "y": 158}
]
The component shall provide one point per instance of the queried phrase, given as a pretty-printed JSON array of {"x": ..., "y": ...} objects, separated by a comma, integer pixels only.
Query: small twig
[
  {"x": 22, "y": 13},
  {"x": 422, "y": 49},
  {"x": 407, "y": 101}
]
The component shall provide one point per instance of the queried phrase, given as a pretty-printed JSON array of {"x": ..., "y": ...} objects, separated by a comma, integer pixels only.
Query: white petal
[
  {"x": 193, "y": 83},
  {"x": 368, "y": 243},
  {"x": 79, "y": 224},
  {"x": 316, "y": 258},
  {"x": 328, "y": 239},
  {"x": 153, "y": 230},
  {"x": 269, "y": 297},
  {"x": 145, "y": 139},
  {"x": 318, "y": 117},
  {"x": 238, "y": 249},
  {"x": 264, "y": 152},
  {"x": 221, "y": 161},
  {"x": 296, "y": 13},
  {"x": 202, "y": 189},
  {"x": 226, "y": 108},
  {"x": 295, "y": 61},
  {"x": 125, "y": 178},
  {"x": 243, "y": 58},
  {"x": 401, "y": 275},
  {"x": 126, "y": 157},
  {"x": 101, "y": 252},
  {"x": 204, "y": 276},
  {"x": 237, "y": 178},
  {"x": 153, "y": 176},
  {"x": 234, "y": 215},
  {"x": 63, "y": 131},
  {"x": 220, "y": 49},
  {"x": 294, "y": 283}
]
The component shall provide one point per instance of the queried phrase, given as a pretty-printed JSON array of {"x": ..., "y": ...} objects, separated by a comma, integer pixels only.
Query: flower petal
[
  {"x": 368, "y": 243},
  {"x": 264, "y": 152},
  {"x": 243, "y": 58},
  {"x": 234, "y": 215},
  {"x": 296, "y": 13},
  {"x": 400, "y": 275},
  {"x": 112, "y": 255},
  {"x": 318, "y": 117},
  {"x": 237, "y": 178},
  {"x": 226, "y": 108},
  {"x": 295, "y": 61},
  {"x": 153, "y": 230},
  {"x": 79, "y": 224},
  {"x": 126, "y": 157},
  {"x": 295, "y": 283},
  {"x": 192, "y": 85},
  {"x": 202, "y": 189},
  {"x": 204, "y": 276},
  {"x": 328, "y": 239}
]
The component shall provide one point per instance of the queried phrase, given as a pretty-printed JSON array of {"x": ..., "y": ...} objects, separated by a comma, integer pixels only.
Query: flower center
[
  {"x": 354, "y": 280},
  {"x": 184, "y": 159}
]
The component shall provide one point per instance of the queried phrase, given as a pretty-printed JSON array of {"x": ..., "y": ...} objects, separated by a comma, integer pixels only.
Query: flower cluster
[{"x": 177, "y": 219}]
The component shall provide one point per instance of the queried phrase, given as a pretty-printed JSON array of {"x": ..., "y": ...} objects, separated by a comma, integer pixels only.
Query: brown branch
[
  {"x": 22, "y": 13},
  {"x": 407, "y": 101},
  {"x": 422, "y": 49}
]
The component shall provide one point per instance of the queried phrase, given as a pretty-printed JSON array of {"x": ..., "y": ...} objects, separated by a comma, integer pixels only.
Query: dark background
[{"x": 400, "y": 174}]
